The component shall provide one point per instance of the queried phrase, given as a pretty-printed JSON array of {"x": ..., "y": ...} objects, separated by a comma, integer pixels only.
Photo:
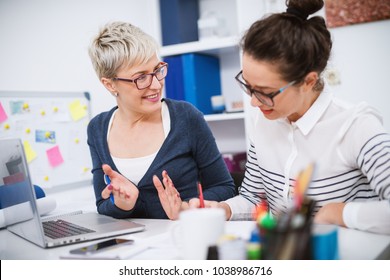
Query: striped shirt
[{"x": 347, "y": 143}]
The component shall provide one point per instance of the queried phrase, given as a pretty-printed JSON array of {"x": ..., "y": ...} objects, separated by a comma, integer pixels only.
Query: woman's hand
[
  {"x": 125, "y": 192},
  {"x": 169, "y": 196},
  {"x": 331, "y": 213},
  {"x": 195, "y": 203}
]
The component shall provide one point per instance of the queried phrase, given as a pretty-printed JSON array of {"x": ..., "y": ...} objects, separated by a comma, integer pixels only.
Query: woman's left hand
[
  {"x": 168, "y": 195},
  {"x": 331, "y": 213}
]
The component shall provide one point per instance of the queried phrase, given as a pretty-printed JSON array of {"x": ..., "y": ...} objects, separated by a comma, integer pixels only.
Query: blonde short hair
[{"x": 120, "y": 44}]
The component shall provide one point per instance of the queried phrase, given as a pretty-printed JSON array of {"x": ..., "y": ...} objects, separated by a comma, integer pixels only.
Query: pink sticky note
[
  {"x": 3, "y": 114},
  {"x": 54, "y": 156}
]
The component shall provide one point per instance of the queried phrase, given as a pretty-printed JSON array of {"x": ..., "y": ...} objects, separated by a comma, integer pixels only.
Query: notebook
[{"x": 19, "y": 205}]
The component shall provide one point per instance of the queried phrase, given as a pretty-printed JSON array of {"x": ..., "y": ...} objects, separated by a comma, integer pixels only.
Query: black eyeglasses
[
  {"x": 145, "y": 80},
  {"x": 266, "y": 99}
]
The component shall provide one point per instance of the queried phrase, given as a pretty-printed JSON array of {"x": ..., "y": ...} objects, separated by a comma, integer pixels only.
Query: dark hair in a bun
[{"x": 295, "y": 42}]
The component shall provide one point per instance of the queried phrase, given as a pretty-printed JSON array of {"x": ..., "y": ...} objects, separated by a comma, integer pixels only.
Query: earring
[{"x": 115, "y": 94}]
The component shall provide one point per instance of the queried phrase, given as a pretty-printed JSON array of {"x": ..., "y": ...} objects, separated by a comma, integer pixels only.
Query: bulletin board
[{"x": 53, "y": 129}]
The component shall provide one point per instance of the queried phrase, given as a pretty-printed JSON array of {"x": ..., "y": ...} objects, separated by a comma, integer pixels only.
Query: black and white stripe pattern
[
  {"x": 374, "y": 161},
  {"x": 350, "y": 150},
  {"x": 370, "y": 182}
]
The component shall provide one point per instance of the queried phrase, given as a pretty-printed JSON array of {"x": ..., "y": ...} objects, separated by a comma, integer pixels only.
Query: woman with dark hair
[{"x": 298, "y": 122}]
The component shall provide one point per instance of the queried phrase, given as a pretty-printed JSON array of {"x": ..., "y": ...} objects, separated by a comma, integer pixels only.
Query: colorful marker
[{"x": 201, "y": 200}]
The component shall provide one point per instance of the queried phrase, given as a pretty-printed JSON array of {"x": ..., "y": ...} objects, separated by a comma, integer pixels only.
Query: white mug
[{"x": 197, "y": 230}]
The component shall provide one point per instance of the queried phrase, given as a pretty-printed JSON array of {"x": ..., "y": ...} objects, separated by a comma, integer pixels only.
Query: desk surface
[{"x": 353, "y": 244}]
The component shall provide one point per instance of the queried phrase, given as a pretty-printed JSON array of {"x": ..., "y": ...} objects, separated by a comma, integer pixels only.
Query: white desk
[{"x": 352, "y": 244}]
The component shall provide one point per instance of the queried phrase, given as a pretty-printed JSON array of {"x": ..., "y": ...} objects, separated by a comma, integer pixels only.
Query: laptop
[{"x": 19, "y": 205}]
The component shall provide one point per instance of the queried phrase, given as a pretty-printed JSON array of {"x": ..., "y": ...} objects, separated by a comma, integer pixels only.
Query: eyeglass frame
[
  {"x": 250, "y": 91},
  {"x": 153, "y": 74}
]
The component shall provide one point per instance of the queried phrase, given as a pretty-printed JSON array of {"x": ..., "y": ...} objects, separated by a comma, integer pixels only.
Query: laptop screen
[{"x": 17, "y": 195}]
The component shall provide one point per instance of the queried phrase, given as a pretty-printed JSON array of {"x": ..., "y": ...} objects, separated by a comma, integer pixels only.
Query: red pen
[{"x": 201, "y": 200}]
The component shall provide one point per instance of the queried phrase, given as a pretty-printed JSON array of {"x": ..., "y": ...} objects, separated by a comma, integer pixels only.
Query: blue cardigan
[{"x": 189, "y": 153}]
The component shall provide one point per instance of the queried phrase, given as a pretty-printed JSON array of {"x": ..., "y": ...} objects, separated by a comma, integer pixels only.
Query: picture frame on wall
[{"x": 347, "y": 12}]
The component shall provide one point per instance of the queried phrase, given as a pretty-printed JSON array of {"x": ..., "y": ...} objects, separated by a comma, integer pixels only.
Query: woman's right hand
[
  {"x": 195, "y": 203},
  {"x": 125, "y": 192}
]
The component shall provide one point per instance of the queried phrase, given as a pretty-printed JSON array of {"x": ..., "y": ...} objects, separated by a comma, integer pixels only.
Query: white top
[
  {"x": 349, "y": 147},
  {"x": 370, "y": 216},
  {"x": 135, "y": 168}
]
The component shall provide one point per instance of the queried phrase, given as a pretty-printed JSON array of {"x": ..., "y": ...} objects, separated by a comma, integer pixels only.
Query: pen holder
[{"x": 290, "y": 238}]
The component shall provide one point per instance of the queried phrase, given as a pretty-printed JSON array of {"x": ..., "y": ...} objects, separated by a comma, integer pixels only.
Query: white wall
[
  {"x": 361, "y": 54},
  {"x": 43, "y": 43}
]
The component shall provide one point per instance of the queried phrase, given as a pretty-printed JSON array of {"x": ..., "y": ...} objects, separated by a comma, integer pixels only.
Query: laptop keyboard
[{"x": 60, "y": 228}]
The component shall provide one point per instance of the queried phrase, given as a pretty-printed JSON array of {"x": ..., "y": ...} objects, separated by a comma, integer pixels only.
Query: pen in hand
[
  {"x": 108, "y": 181},
  {"x": 201, "y": 200}
]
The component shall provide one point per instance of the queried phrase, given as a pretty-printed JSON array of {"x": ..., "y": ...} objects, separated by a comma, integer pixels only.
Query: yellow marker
[
  {"x": 302, "y": 184},
  {"x": 28, "y": 130},
  {"x": 304, "y": 179},
  {"x": 55, "y": 109},
  {"x": 43, "y": 112},
  {"x": 46, "y": 178},
  {"x": 25, "y": 106},
  {"x": 77, "y": 140},
  {"x": 6, "y": 126},
  {"x": 47, "y": 134}
]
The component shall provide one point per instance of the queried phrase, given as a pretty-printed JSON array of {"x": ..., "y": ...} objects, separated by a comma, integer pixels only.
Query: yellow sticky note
[
  {"x": 77, "y": 110},
  {"x": 28, "y": 130},
  {"x": 55, "y": 109},
  {"x": 43, "y": 112},
  {"x": 77, "y": 140},
  {"x": 46, "y": 178},
  {"x": 7, "y": 126},
  {"x": 47, "y": 134},
  {"x": 25, "y": 106},
  {"x": 30, "y": 153}
]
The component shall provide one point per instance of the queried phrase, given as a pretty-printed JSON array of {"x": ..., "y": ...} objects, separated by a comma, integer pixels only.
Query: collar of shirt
[{"x": 307, "y": 122}]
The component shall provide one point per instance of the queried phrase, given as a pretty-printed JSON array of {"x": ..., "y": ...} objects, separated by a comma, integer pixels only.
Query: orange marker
[{"x": 201, "y": 200}]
